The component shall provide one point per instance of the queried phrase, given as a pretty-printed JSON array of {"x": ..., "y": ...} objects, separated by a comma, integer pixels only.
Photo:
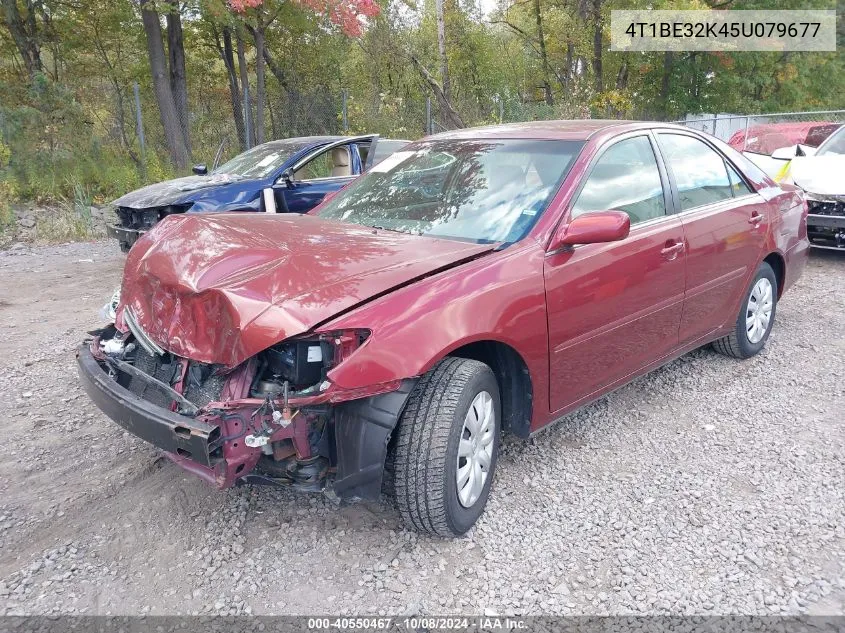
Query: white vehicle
[{"x": 821, "y": 174}]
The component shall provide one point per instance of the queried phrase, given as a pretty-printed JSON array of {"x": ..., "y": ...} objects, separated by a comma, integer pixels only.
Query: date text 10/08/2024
[{"x": 459, "y": 623}]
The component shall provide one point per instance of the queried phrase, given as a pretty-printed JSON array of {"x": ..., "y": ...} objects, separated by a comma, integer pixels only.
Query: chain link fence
[{"x": 744, "y": 130}]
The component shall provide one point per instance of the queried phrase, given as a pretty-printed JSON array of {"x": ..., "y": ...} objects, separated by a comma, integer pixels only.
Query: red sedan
[{"x": 478, "y": 282}]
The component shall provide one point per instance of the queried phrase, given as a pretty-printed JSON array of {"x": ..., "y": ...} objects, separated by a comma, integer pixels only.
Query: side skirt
[{"x": 587, "y": 400}]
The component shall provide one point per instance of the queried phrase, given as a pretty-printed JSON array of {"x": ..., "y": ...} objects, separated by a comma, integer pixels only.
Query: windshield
[
  {"x": 485, "y": 191},
  {"x": 835, "y": 144},
  {"x": 261, "y": 161}
]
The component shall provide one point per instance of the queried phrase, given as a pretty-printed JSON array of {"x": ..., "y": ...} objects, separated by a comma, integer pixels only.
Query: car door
[
  {"x": 615, "y": 308},
  {"x": 725, "y": 223},
  {"x": 325, "y": 170}
]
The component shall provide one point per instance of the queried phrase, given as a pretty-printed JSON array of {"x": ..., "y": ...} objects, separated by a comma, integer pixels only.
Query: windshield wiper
[{"x": 384, "y": 228}]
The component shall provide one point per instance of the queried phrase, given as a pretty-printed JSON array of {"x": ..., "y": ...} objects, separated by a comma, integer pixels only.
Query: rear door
[
  {"x": 725, "y": 223},
  {"x": 615, "y": 308}
]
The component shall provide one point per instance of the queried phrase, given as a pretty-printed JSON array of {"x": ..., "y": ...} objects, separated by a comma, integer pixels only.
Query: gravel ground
[{"x": 709, "y": 486}]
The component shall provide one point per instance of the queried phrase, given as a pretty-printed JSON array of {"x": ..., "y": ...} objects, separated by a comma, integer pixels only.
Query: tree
[
  {"x": 173, "y": 133},
  {"x": 178, "y": 81},
  {"x": 24, "y": 31},
  {"x": 544, "y": 59},
  {"x": 445, "y": 86},
  {"x": 344, "y": 14}
]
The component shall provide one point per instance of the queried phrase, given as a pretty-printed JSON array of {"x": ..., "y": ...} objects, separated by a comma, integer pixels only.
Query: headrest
[{"x": 340, "y": 157}]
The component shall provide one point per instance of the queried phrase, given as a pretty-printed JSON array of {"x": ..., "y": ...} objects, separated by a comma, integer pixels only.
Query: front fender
[{"x": 496, "y": 298}]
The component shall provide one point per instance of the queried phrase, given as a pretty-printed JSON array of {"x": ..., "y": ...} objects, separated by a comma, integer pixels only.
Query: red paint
[
  {"x": 223, "y": 287},
  {"x": 593, "y": 228},
  {"x": 584, "y": 319}
]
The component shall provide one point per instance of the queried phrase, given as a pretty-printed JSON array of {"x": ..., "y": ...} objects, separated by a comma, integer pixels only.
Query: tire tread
[{"x": 422, "y": 443}]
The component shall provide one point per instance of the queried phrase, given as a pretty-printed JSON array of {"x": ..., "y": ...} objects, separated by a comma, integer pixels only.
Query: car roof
[
  {"x": 314, "y": 140},
  {"x": 569, "y": 130}
]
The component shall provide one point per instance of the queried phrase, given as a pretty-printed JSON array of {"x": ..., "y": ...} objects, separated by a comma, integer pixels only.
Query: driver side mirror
[
  {"x": 200, "y": 170},
  {"x": 286, "y": 179},
  {"x": 595, "y": 227}
]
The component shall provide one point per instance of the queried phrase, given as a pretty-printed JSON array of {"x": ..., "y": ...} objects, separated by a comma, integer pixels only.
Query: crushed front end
[
  {"x": 826, "y": 221},
  {"x": 133, "y": 223},
  {"x": 274, "y": 419}
]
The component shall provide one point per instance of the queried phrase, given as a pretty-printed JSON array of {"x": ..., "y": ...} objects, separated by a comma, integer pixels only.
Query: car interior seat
[{"x": 341, "y": 163}]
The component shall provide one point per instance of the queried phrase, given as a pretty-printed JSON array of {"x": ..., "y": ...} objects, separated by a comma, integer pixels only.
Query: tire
[
  {"x": 744, "y": 344},
  {"x": 425, "y": 484}
]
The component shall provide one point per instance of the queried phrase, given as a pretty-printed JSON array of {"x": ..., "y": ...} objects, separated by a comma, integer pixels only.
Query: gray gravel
[{"x": 709, "y": 486}]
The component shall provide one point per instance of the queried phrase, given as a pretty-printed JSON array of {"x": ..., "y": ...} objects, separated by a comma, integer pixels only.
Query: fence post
[
  {"x": 139, "y": 129},
  {"x": 428, "y": 125},
  {"x": 247, "y": 117},
  {"x": 345, "y": 111},
  {"x": 715, "y": 119},
  {"x": 501, "y": 110},
  {"x": 745, "y": 139}
]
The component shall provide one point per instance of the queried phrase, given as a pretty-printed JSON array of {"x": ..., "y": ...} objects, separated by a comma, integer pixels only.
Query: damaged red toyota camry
[{"x": 480, "y": 282}]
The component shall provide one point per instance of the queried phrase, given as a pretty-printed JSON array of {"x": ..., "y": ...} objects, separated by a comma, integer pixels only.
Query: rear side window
[
  {"x": 700, "y": 173},
  {"x": 738, "y": 186},
  {"x": 625, "y": 178}
]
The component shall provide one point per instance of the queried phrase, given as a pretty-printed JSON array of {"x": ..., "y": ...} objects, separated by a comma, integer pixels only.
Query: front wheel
[
  {"x": 756, "y": 317},
  {"x": 446, "y": 446}
]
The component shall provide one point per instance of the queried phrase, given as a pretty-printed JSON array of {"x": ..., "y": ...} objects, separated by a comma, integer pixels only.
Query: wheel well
[
  {"x": 779, "y": 266},
  {"x": 514, "y": 382}
]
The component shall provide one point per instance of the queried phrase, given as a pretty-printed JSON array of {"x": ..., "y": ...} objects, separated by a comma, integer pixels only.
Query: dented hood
[
  {"x": 176, "y": 191},
  {"x": 221, "y": 288},
  {"x": 819, "y": 175}
]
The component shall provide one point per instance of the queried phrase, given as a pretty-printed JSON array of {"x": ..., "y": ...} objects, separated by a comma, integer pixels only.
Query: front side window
[
  {"x": 261, "y": 161},
  {"x": 478, "y": 190},
  {"x": 625, "y": 178},
  {"x": 332, "y": 163},
  {"x": 738, "y": 186},
  {"x": 700, "y": 173}
]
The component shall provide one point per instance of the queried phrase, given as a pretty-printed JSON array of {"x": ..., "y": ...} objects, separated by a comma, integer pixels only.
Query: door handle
[
  {"x": 755, "y": 219},
  {"x": 672, "y": 249}
]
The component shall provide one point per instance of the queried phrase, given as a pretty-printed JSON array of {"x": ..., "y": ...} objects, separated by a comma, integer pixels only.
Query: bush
[{"x": 8, "y": 222}]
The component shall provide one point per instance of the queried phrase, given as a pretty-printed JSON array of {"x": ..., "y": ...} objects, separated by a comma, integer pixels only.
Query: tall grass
[{"x": 69, "y": 220}]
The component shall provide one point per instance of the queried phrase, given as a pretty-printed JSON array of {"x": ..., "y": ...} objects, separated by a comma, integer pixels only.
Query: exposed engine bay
[
  {"x": 271, "y": 420},
  {"x": 826, "y": 222}
]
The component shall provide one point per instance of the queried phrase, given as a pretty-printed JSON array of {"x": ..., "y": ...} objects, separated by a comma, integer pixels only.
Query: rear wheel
[
  {"x": 446, "y": 446},
  {"x": 756, "y": 317}
]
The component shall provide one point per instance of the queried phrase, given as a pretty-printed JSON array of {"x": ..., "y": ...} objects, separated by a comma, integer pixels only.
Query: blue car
[{"x": 286, "y": 176}]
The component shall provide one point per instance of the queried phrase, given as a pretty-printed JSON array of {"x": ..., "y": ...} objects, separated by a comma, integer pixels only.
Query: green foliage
[
  {"x": 7, "y": 217},
  {"x": 74, "y": 125}
]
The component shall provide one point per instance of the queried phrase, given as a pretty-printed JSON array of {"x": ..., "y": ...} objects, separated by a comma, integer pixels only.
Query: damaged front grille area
[
  {"x": 145, "y": 219},
  {"x": 826, "y": 207},
  {"x": 155, "y": 368},
  {"x": 201, "y": 385}
]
